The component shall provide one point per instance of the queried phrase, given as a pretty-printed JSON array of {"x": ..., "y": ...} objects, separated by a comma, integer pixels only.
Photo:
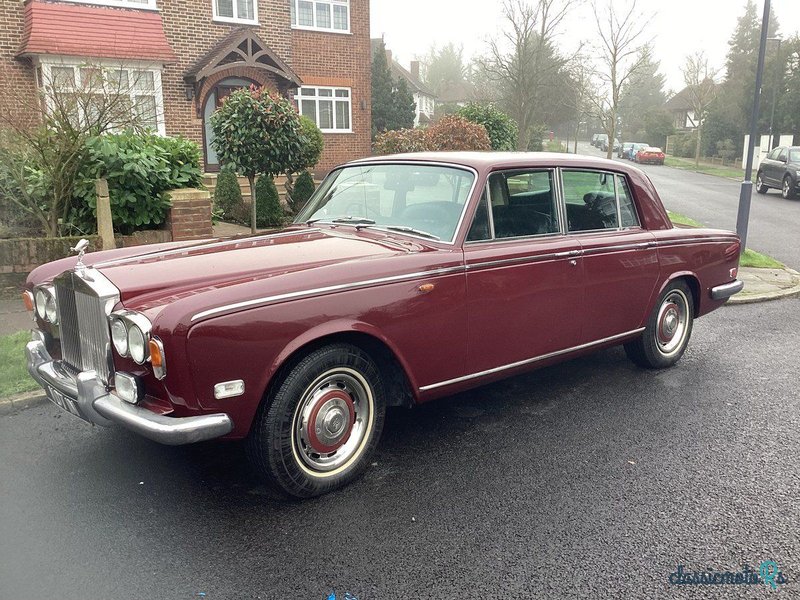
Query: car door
[
  {"x": 771, "y": 167},
  {"x": 524, "y": 276},
  {"x": 620, "y": 261}
]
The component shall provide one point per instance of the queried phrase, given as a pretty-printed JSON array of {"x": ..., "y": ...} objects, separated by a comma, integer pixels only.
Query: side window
[
  {"x": 590, "y": 200},
  {"x": 627, "y": 209},
  {"x": 782, "y": 155},
  {"x": 774, "y": 154},
  {"x": 480, "y": 230},
  {"x": 523, "y": 203}
]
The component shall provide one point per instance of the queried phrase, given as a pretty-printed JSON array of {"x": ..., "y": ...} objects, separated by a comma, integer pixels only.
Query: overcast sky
[{"x": 677, "y": 27}]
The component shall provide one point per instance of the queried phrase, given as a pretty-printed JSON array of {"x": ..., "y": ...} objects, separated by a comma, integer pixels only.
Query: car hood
[{"x": 154, "y": 279}]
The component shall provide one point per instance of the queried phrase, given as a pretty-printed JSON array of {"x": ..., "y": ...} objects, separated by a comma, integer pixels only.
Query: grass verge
[
  {"x": 750, "y": 258},
  {"x": 14, "y": 378},
  {"x": 718, "y": 170}
]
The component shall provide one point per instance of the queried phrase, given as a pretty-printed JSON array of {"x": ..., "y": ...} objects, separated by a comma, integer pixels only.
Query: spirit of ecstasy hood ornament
[{"x": 80, "y": 248}]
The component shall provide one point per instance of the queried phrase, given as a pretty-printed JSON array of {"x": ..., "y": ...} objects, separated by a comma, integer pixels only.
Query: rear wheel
[
  {"x": 318, "y": 429},
  {"x": 668, "y": 329},
  {"x": 787, "y": 189},
  {"x": 760, "y": 187}
]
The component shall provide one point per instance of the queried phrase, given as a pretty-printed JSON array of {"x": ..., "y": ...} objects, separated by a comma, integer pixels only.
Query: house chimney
[
  {"x": 389, "y": 57},
  {"x": 415, "y": 69}
]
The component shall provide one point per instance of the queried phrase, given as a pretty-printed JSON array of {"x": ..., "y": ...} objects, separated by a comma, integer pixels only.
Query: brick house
[{"x": 183, "y": 57}]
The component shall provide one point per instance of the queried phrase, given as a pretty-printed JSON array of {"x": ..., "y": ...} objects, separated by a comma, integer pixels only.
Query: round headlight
[
  {"x": 137, "y": 344},
  {"x": 41, "y": 303},
  {"x": 50, "y": 312},
  {"x": 119, "y": 335}
]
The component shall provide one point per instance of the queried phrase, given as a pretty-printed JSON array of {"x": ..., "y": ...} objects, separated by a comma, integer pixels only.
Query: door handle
[{"x": 573, "y": 262}]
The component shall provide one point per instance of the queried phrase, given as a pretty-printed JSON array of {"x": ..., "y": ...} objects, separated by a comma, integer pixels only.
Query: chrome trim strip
[
  {"x": 325, "y": 290},
  {"x": 522, "y": 259},
  {"x": 683, "y": 241},
  {"x": 725, "y": 291},
  {"x": 182, "y": 249},
  {"x": 528, "y": 361},
  {"x": 618, "y": 247}
]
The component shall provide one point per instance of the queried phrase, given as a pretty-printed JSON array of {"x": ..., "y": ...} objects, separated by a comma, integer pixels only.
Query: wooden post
[{"x": 105, "y": 225}]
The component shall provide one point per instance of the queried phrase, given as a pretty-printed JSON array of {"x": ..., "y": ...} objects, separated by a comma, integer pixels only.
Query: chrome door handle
[{"x": 573, "y": 262}]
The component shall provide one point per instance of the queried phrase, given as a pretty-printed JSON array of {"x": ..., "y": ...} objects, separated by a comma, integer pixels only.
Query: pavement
[{"x": 589, "y": 479}]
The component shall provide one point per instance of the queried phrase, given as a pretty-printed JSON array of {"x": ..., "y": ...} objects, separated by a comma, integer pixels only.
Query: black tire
[
  {"x": 312, "y": 400},
  {"x": 760, "y": 187},
  {"x": 787, "y": 189},
  {"x": 665, "y": 338}
]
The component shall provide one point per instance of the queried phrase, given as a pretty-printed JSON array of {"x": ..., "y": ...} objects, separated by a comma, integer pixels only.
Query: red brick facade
[{"x": 316, "y": 57}]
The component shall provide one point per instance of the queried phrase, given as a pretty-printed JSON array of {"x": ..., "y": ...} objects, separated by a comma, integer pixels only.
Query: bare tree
[
  {"x": 579, "y": 100},
  {"x": 701, "y": 92},
  {"x": 43, "y": 137},
  {"x": 523, "y": 59},
  {"x": 622, "y": 51}
]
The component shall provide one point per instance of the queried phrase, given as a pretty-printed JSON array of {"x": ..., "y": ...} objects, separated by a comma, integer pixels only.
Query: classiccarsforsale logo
[{"x": 767, "y": 573}]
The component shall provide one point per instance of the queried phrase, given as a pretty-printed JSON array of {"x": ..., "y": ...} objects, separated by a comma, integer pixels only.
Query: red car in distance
[
  {"x": 650, "y": 156},
  {"x": 405, "y": 278}
]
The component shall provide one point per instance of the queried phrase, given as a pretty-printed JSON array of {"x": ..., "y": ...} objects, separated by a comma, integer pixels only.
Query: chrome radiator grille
[{"x": 84, "y": 299}]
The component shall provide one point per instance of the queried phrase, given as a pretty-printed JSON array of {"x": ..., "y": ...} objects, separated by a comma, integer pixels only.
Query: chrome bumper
[
  {"x": 85, "y": 397},
  {"x": 723, "y": 292}
]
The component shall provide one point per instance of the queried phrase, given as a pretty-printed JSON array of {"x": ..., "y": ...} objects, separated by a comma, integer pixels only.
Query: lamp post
[
  {"x": 775, "y": 88},
  {"x": 746, "y": 193}
]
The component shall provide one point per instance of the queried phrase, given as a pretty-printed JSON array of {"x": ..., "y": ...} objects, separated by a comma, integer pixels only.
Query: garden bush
[
  {"x": 140, "y": 169},
  {"x": 683, "y": 145},
  {"x": 228, "y": 198},
  {"x": 303, "y": 189},
  {"x": 269, "y": 212},
  {"x": 501, "y": 128},
  {"x": 401, "y": 140},
  {"x": 456, "y": 133}
]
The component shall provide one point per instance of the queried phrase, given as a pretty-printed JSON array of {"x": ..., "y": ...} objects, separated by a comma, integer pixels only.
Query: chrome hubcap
[
  {"x": 332, "y": 420},
  {"x": 673, "y": 317}
]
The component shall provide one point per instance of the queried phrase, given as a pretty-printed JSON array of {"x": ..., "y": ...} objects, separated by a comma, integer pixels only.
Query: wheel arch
[{"x": 694, "y": 287}]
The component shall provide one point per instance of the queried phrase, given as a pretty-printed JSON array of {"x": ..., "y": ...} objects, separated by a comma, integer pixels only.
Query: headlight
[
  {"x": 45, "y": 302},
  {"x": 119, "y": 336},
  {"x": 137, "y": 344}
]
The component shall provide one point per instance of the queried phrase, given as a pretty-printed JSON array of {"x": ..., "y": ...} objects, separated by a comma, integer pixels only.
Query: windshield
[
  {"x": 794, "y": 155},
  {"x": 422, "y": 200}
]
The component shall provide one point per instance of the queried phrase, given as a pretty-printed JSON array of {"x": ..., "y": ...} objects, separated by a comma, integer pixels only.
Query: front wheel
[
  {"x": 760, "y": 187},
  {"x": 787, "y": 190},
  {"x": 668, "y": 330},
  {"x": 317, "y": 430}
]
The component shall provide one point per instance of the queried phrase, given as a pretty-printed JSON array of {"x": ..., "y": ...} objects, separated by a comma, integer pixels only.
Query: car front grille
[{"x": 85, "y": 298}]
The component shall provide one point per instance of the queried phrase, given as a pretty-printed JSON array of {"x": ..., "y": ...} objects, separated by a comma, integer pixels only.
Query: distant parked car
[
  {"x": 604, "y": 145},
  {"x": 780, "y": 170},
  {"x": 650, "y": 155},
  {"x": 595, "y": 139},
  {"x": 633, "y": 148}
]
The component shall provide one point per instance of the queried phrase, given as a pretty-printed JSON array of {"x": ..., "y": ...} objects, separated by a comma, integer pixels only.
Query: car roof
[{"x": 488, "y": 161}]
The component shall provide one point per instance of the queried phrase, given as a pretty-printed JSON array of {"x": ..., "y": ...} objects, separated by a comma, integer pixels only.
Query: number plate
[{"x": 62, "y": 401}]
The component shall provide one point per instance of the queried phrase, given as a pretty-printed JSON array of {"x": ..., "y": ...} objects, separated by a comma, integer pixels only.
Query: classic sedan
[
  {"x": 650, "y": 155},
  {"x": 781, "y": 170},
  {"x": 406, "y": 278}
]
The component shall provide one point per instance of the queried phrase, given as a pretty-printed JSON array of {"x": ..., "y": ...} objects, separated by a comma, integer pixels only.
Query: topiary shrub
[
  {"x": 303, "y": 188},
  {"x": 228, "y": 198},
  {"x": 501, "y": 128},
  {"x": 269, "y": 212},
  {"x": 456, "y": 133}
]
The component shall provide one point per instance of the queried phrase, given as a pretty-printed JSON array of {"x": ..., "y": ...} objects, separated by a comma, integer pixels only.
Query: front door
[
  {"x": 212, "y": 102},
  {"x": 524, "y": 277}
]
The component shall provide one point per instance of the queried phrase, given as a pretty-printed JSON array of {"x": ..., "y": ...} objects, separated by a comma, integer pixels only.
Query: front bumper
[
  {"x": 87, "y": 398},
  {"x": 723, "y": 292}
]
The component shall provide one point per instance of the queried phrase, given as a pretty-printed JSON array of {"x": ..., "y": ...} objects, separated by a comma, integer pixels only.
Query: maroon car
[{"x": 406, "y": 278}]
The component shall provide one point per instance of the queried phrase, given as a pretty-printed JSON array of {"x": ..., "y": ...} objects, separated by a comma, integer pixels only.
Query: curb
[
  {"x": 791, "y": 292},
  {"x": 21, "y": 401}
]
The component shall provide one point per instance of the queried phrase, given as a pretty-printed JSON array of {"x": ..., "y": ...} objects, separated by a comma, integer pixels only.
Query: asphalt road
[
  {"x": 774, "y": 222},
  {"x": 590, "y": 479}
]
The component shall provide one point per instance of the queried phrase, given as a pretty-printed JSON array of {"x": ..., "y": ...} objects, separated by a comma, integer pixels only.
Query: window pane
[
  {"x": 305, "y": 13},
  {"x": 308, "y": 91},
  {"x": 342, "y": 115},
  {"x": 325, "y": 114},
  {"x": 479, "y": 230},
  {"x": 342, "y": 93},
  {"x": 326, "y": 93},
  {"x": 626, "y": 207},
  {"x": 309, "y": 109},
  {"x": 117, "y": 80},
  {"x": 91, "y": 79},
  {"x": 224, "y": 8},
  {"x": 340, "y": 17},
  {"x": 523, "y": 203},
  {"x": 244, "y": 9},
  {"x": 323, "y": 15},
  {"x": 293, "y": 11},
  {"x": 62, "y": 77},
  {"x": 590, "y": 199},
  {"x": 145, "y": 110},
  {"x": 143, "y": 81}
]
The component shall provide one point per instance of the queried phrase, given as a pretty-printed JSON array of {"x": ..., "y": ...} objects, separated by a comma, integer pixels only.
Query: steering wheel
[{"x": 430, "y": 217}]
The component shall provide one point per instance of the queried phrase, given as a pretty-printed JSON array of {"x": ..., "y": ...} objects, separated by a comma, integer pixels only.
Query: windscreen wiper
[
  {"x": 354, "y": 220},
  {"x": 418, "y": 232}
]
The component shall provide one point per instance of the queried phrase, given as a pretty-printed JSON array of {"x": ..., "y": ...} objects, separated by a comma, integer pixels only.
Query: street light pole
[
  {"x": 746, "y": 193},
  {"x": 775, "y": 88}
]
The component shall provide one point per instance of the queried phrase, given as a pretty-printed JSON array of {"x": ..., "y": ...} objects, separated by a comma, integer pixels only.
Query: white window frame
[
  {"x": 235, "y": 18},
  {"x": 332, "y": 3},
  {"x": 47, "y": 63},
  {"x": 299, "y": 98},
  {"x": 150, "y": 5}
]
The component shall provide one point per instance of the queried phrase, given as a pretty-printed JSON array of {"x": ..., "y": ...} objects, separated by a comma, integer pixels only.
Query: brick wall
[
  {"x": 19, "y": 84},
  {"x": 190, "y": 215}
]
